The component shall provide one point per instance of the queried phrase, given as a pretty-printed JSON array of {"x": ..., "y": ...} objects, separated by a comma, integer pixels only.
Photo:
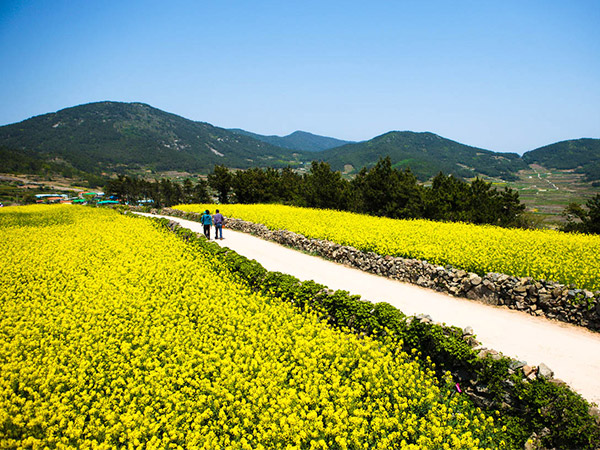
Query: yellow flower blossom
[
  {"x": 542, "y": 254},
  {"x": 117, "y": 334}
]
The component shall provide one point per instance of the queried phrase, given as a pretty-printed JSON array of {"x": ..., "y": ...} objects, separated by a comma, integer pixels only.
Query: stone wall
[
  {"x": 511, "y": 380},
  {"x": 536, "y": 297}
]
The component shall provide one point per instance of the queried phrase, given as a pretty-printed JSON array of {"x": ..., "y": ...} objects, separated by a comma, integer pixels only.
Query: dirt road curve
[{"x": 572, "y": 352}]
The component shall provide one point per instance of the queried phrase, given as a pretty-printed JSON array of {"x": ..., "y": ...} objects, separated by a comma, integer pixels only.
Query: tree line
[
  {"x": 159, "y": 193},
  {"x": 583, "y": 218},
  {"x": 379, "y": 191}
]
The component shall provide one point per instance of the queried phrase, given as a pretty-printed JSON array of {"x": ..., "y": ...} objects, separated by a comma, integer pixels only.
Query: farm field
[
  {"x": 14, "y": 190},
  {"x": 542, "y": 254},
  {"x": 547, "y": 192},
  {"x": 118, "y": 334}
]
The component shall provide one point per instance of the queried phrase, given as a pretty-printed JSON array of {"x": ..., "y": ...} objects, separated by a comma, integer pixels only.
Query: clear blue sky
[{"x": 502, "y": 75}]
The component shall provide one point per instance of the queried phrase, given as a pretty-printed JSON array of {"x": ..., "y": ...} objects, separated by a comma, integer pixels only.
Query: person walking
[
  {"x": 206, "y": 220},
  {"x": 218, "y": 222}
]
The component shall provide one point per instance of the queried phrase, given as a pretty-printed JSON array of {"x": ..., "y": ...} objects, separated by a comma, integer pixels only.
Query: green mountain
[
  {"x": 426, "y": 154},
  {"x": 110, "y": 136},
  {"x": 580, "y": 155},
  {"x": 121, "y": 137},
  {"x": 298, "y": 140}
]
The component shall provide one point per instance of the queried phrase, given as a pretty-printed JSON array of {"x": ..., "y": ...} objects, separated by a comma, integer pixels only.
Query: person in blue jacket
[{"x": 206, "y": 220}]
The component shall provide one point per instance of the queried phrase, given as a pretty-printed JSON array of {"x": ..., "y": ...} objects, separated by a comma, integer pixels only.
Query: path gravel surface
[{"x": 573, "y": 353}]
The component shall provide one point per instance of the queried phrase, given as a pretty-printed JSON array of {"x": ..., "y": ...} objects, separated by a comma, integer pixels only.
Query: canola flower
[
  {"x": 116, "y": 334},
  {"x": 567, "y": 258}
]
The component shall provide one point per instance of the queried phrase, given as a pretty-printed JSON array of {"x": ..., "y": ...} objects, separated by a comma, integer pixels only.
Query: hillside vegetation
[
  {"x": 298, "y": 140},
  {"x": 426, "y": 154},
  {"x": 581, "y": 155},
  {"x": 111, "y": 136},
  {"x": 135, "y": 139},
  {"x": 29, "y": 162}
]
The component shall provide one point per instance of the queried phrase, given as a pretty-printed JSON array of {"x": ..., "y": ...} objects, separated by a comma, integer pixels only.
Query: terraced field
[{"x": 547, "y": 192}]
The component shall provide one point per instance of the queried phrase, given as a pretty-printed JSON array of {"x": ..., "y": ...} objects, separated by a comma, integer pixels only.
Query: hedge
[{"x": 558, "y": 416}]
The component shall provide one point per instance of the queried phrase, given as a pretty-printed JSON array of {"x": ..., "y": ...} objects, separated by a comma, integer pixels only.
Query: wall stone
[
  {"x": 536, "y": 297},
  {"x": 469, "y": 382}
]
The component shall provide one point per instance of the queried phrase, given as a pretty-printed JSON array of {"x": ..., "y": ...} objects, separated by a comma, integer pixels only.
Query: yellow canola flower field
[
  {"x": 117, "y": 334},
  {"x": 542, "y": 254}
]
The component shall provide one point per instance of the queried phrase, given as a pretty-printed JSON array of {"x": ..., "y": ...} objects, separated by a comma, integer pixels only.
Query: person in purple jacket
[{"x": 218, "y": 222}]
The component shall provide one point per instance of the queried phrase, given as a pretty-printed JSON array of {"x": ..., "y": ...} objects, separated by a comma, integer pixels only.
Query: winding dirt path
[{"x": 573, "y": 353}]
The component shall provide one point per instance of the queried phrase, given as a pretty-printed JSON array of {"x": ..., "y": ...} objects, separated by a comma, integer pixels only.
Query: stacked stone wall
[
  {"x": 490, "y": 379},
  {"x": 536, "y": 297}
]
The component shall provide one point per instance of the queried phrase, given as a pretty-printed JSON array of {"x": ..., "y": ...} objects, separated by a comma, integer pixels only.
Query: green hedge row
[{"x": 559, "y": 417}]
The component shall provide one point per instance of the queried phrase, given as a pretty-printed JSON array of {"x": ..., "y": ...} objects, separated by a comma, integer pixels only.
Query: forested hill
[
  {"x": 109, "y": 135},
  {"x": 426, "y": 154},
  {"x": 582, "y": 155},
  {"x": 298, "y": 140}
]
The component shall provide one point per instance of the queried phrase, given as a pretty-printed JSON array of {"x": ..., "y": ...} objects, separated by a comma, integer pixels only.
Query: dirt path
[{"x": 573, "y": 353}]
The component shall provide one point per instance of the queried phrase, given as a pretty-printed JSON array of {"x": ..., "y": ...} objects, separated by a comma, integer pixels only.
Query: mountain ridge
[
  {"x": 117, "y": 136},
  {"x": 426, "y": 153},
  {"x": 298, "y": 140},
  {"x": 581, "y": 155},
  {"x": 97, "y": 135}
]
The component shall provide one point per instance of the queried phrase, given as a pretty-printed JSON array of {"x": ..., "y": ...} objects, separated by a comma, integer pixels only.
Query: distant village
[{"x": 83, "y": 198}]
